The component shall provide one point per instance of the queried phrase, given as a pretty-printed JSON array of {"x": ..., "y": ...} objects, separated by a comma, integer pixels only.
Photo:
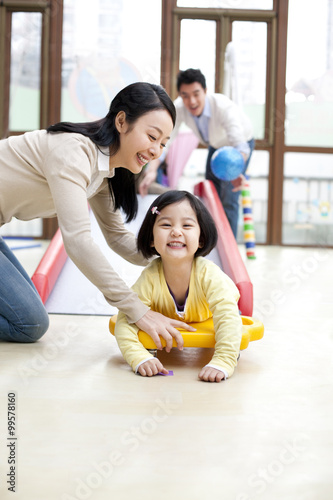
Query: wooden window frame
[
  {"x": 273, "y": 141},
  {"x": 51, "y": 54}
]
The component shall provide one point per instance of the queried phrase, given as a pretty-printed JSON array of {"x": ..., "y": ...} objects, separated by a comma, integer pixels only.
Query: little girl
[{"x": 181, "y": 284}]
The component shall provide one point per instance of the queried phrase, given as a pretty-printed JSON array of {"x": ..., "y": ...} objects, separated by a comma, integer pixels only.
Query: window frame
[
  {"x": 51, "y": 53},
  {"x": 273, "y": 142}
]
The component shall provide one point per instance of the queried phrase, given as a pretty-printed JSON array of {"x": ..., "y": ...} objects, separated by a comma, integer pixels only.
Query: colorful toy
[
  {"x": 204, "y": 336},
  {"x": 249, "y": 235},
  {"x": 227, "y": 163}
]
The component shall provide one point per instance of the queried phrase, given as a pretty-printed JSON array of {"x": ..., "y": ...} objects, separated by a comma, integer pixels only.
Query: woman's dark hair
[
  {"x": 208, "y": 232},
  {"x": 190, "y": 76},
  {"x": 135, "y": 100}
]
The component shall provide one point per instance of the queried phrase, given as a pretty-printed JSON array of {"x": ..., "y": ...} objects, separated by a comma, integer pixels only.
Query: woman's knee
[
  {"x": 31, "y": 330},
  {"x": 37, "y": 328},
  {"x": 41, "y": 327}
]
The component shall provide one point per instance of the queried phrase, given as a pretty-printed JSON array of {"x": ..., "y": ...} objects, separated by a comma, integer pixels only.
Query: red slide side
[
  {"x": 49, "y": 268},
  {"x": 231, "y": 259}
]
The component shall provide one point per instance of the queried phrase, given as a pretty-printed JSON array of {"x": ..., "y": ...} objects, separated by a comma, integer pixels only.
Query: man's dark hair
[{"x": 190, "y": 76}]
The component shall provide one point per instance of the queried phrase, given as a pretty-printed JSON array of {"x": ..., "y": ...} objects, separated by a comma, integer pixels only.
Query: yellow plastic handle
[{"x": 204, "y": 336}]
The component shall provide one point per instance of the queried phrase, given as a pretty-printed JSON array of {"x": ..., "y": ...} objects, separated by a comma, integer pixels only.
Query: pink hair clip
[{"x": 154, "y": 211}]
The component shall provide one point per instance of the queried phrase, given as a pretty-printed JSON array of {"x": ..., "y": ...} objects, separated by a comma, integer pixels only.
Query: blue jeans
[
  {"x": 23, "y": 317},
  {"x": 224, "y": 189}
]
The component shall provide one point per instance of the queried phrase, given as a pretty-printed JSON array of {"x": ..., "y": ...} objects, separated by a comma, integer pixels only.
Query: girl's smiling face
[
  {"x": 176, "y": 232},
  {"x": 143, "y": 141}
]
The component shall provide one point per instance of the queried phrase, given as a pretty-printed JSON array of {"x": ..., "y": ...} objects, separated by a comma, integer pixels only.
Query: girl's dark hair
[
  {"x": 190, "y": 76},
  {"x": 135, "y": 100},
  {"x": 208, "y": 232}
]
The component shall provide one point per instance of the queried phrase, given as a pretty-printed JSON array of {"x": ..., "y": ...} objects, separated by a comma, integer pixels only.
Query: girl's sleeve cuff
[
  {"x": 226, "y": 375},
  {"x": 141, "y": 362}
]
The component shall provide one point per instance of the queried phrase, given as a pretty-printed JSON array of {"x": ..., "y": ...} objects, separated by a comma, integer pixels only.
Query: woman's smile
[{"x": 142, "y": 159}]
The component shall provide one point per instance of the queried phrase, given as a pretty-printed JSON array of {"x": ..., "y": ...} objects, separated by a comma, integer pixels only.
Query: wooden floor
[{"x": 87, "y": 427}]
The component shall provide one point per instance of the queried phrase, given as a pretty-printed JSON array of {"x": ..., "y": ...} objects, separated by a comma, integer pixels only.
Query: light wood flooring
[{"x": 88, "y": 428}]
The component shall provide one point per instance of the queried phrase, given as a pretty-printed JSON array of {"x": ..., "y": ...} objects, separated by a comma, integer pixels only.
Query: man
[{"x": 217, "y": 122}]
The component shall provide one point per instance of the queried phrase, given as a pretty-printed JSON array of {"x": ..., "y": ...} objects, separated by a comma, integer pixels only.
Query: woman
[{"x": 54, "y": 172}]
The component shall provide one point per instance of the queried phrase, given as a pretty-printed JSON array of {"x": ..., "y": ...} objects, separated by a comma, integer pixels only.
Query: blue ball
[{"x": 227, "y": 163}]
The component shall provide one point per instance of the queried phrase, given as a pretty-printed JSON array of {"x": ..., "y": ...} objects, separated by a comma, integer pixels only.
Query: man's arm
[{"x": 149, "y": 176}]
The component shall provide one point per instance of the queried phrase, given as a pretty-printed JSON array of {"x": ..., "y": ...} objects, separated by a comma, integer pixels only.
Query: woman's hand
[
  {"x": 209, "y": 374},
  {"x": 155, "y": 324},
  {"x": 152, "y": 367}
]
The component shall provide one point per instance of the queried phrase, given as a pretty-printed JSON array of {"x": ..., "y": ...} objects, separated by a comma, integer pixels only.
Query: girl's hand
[
  {"x": 209, "y": 374},
  {"x": 155, "y": 324},
  {"x": 152, "y": 367}
]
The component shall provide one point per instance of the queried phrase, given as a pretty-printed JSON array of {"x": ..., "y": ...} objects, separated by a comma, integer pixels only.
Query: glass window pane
[
  {"x": 198, "y": 51},
  {"x": 258, "y": 181},
  {"x": 309, "y": 81},
  {"x": 102, "y": 53},
  {"x": 308, "y": 199},
  {"x": 19, "y": 228},
  {"x": 228, "y": 4},
  {"x": 249, "y": 42},
  {"x": 24, "y": 107}
]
